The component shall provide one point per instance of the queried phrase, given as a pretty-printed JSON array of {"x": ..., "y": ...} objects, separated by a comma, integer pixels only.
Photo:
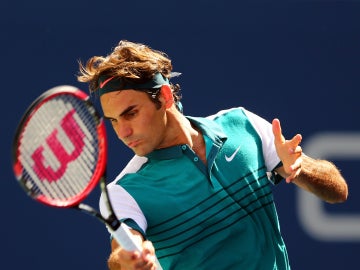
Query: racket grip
[{"x": 125, "y": 238}]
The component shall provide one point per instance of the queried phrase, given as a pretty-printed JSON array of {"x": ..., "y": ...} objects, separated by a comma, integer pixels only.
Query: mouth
[{"x": 133, "y": 144}]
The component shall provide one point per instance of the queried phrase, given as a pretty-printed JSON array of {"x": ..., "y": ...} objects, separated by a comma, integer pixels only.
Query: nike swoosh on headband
[{"x": 102, "y": 84}]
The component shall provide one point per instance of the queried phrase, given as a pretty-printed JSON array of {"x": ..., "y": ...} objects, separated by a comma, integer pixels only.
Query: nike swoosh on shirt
[
  {"x": 229, "y": 159},
  {"x": 105, "y": 82}
]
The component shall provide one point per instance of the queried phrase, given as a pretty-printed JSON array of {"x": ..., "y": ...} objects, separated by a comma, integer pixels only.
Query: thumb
[{"x": 276, "y": 128}]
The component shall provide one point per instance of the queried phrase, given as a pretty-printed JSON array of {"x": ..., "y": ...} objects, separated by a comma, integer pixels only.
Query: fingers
[
  {"x": 289, "y": 151},
  {"x": 295, "y": 150},
  {"x": 294, "y": 143},
  {"x": 295, "y": 170},
  {"x": 148, "y": 254},
  {"x": 294, "y": 158},
  {"x": 128, "y": 259},
  {"x": 279, "y": 138},
  {"x": 131, "y": 260},
  {"x": 276, "y": 127}
]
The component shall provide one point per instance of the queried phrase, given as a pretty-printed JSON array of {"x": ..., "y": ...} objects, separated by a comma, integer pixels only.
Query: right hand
[{"x": 132, "y": 260}]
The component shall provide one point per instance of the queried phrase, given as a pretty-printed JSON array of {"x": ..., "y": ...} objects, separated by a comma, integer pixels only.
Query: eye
[
  {"x": 113, "y": 121},
  {"x": 130, "y": 114}
]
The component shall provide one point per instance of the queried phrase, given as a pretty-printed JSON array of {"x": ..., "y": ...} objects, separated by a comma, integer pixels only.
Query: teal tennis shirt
[{"x": 216, "y": 216}]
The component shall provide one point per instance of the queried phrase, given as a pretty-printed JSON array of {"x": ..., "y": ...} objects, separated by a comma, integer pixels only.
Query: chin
[{"x": 140, "y": 152}]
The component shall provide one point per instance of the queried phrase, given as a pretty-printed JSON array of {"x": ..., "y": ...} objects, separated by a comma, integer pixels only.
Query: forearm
[{"x": 323, "y": 179}]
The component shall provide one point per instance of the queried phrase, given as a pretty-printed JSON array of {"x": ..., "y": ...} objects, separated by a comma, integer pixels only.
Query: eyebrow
[{"x": 128, "y": 109}]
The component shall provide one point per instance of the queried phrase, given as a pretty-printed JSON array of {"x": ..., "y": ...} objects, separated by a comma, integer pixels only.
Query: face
[{"x": 135, "y": 119}]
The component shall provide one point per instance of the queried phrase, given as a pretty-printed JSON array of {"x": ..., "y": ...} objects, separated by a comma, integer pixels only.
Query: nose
[{"x": 123, "y": 130}]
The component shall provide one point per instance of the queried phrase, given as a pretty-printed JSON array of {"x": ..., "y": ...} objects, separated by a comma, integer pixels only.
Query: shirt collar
[{"x": 207, "y": 126}]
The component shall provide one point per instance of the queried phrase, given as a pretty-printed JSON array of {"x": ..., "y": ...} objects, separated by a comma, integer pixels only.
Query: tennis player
[{"x": 198, "y": 191}]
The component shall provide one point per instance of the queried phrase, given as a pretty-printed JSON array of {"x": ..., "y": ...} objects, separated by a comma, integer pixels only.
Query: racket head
[{"x": 59, "y": 151}]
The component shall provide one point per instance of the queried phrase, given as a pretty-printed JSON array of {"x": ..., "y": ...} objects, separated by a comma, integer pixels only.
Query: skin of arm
[{"x": 320, "y": 177}]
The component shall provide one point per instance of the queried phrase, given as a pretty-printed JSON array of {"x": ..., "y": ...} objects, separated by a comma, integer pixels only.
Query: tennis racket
[{"x": 60, "y": 155}]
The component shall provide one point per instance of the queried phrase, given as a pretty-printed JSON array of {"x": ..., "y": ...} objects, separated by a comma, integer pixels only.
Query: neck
[{"x": 181, "y": 131}]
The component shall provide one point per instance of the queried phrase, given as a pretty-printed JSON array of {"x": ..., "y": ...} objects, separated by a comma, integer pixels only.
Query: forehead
[
  {"x": 120, "y": 100},
  {"x": 122, "y": 96}
]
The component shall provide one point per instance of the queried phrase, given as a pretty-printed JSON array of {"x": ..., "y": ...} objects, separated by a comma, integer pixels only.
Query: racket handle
[{"x": 125, "y": 238}]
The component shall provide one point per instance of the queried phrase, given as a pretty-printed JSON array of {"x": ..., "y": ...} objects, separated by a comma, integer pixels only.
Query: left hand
[{"x": 289, "y": 151}]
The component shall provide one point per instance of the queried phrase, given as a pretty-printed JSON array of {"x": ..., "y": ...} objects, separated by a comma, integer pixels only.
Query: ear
[{"x": 166, "y": 92}]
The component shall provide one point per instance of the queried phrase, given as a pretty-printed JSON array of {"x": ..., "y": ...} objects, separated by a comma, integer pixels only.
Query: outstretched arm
[{"x": 319, "y": 177}]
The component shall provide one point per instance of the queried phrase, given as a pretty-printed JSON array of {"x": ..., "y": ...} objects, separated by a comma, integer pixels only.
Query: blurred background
[{"x": 297, "y": 60}]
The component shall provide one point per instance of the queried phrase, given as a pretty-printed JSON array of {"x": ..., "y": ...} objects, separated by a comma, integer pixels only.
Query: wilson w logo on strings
[{"x": 75, "y": 135}]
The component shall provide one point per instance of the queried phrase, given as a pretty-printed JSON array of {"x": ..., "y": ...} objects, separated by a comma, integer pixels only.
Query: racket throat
[{"x": 111, "y": 221}]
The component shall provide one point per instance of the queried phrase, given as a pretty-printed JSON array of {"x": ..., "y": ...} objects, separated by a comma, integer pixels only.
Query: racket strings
[{"x": 66, "y": 154}]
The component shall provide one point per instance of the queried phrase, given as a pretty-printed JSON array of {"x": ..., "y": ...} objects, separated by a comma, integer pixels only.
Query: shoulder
[
  {"x": 242, "y": 115},
  {"x": 227, "y": 113},
  {"x": 132, "y": 166}
]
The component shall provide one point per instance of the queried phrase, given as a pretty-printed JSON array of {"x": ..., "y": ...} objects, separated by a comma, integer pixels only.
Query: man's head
[
  {"x": 130, "y": 66},
  {"x": 135, "y": 94}
]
